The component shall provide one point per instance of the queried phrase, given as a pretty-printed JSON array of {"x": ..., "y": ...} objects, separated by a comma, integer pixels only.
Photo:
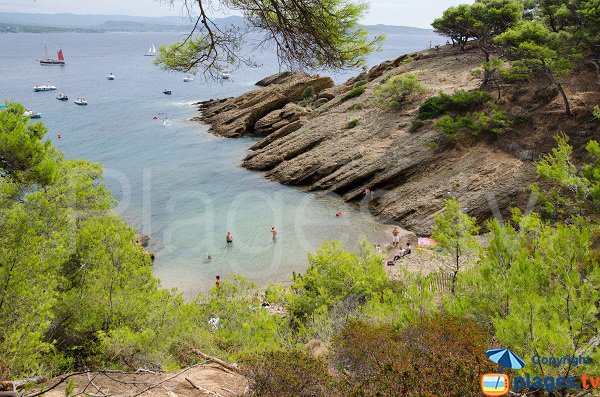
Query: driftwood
[
  {"x": 231, "y": 367},
  {"x": 167, "y": 379},
  {"x": 202, "y": 389}
]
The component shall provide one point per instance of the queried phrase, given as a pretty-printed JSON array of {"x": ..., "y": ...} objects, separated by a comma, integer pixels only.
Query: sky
[{"x": 418, "y": 13}]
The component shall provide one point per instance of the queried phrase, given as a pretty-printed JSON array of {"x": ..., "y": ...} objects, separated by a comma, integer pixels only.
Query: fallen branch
[
  {"x": 167, "y": 379},
  {"x": 202, "y": 389},
  {"x": 61, "y": 380},
  {"x": 231, "y": 367}
]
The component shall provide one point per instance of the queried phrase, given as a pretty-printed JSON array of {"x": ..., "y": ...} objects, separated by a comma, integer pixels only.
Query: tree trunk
[{"x": 561, "y": 90}]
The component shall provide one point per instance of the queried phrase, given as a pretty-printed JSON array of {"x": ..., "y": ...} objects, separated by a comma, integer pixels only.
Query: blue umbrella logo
[{"x": 505, "y": 358}]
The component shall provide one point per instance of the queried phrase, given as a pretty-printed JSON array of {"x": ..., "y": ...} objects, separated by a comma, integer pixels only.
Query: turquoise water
[{"x": 174, "y": 181}]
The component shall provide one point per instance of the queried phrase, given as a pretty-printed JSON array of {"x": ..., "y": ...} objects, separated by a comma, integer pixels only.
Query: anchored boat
[
  {"x": 51, "y": 61},
  {"x": 151, "y": 51},
  {"x": 80, "y": 102},
  {"x": 31, "y": 114},
  {"x": 62, "y": 97},
  {"x": 44, "y": 87}
]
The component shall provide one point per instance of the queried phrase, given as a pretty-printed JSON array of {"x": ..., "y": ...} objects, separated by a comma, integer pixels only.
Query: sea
[{"x": 174, "y": 181}]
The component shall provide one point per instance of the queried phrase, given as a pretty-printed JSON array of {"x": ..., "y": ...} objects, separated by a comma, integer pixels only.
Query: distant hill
[
  {"x": 48, "y": 23},
  {"x": 403, "y": 30},
  {"x": 83, "y": 20},
  {"x": 20, "y": 28},
  {"x": 131, "y": 26}
]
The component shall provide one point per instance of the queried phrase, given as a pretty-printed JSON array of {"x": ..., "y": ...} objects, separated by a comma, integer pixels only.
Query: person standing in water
[
  {"x": 274, "y": 232},
  {"x": 218, "y": 282},
  {"x": 229, "y": 238}
]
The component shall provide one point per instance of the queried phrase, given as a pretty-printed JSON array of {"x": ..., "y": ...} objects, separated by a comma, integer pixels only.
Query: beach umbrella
[{"x": 505, "y": 358}]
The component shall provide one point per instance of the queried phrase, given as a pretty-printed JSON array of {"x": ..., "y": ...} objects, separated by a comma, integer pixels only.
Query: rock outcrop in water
[
  {"x": 235, "y": 117},
  {"x": 408, "y": 164}
]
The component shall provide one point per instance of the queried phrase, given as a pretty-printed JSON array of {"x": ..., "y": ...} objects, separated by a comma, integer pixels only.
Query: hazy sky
[{"x": 418, "y": 13}]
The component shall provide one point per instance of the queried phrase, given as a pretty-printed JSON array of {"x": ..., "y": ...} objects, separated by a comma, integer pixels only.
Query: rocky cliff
[{"x": 345, "y": 145}]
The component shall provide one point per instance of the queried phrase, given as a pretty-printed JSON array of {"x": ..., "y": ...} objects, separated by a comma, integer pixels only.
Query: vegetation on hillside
[
  {"x": 539, "y": 37},
  {"x": 77, "y": 292}
]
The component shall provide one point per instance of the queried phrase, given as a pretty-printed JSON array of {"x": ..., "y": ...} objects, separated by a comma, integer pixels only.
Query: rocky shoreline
[{"x": 346, "y": 145}]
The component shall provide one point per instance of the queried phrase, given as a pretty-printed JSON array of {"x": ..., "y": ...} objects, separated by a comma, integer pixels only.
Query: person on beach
[
  {"x": 395, "y": 237},
  {"x": 403, "y": 252},
  {"x": 274, "y": 232},
  {"x": 338, "y": 214},
  {"x": 218, "y": 282},
  {"x": 229, "y": 238},
  {"x": 378, "y": 248}
]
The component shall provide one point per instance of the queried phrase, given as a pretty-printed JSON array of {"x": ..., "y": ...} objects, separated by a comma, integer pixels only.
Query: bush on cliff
[
  {"x": 458, "y": 102},
  {"x": 476, "y": 123},
  {"x": 396, "y": 90},
  {"x": 353, "y": 93}
]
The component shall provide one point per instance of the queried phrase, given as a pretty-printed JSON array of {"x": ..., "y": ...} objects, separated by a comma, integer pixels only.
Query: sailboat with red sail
[{"x": 51, "y": 61}]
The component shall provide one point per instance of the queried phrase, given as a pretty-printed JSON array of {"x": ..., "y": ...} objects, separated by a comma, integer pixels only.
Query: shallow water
[{"x": 174, "y": 181}]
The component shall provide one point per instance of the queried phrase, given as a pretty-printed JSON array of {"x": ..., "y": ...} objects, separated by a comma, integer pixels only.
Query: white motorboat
[
  {"x": 44, "y": 87},
  {"x": 62, "y": 97},
  {"x": 110, "y": 77},
  {"x": 80, "y": 102},
  {"x": 225, "y": 75},
  {"x": 188, "y": 79},
  {"x": 31, "y": 114}
]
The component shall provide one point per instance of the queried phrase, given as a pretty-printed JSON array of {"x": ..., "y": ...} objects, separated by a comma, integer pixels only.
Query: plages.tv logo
[{"x": 498, "y": 384}]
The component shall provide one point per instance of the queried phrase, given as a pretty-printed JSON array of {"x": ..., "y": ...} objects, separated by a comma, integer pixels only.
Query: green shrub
[
  {"x": 309, "y": 93},
  {"x": 286, "y": 374},
  {"x": 360, "y": 83},
  {"x": 433, "y": 145},
  {"x": 351, "y": 124},
  {"x": 474, "y": 123},
  {"x": 357, "y": 106},
  {"x": 335, "y": 276},
  {"x": 459, "y": 102},
  {"x": 407, "y": 59},
  {"x": 416, "y": 125},
  {"x": 596, "y": 112},
  {"x": 353, "y": 93},
  {"x": 396, "y": 90}
]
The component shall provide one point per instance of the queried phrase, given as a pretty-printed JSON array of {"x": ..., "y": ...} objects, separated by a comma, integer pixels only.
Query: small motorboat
[
  {"x": 167, "y": 92},
  {"x": 31, "y": 114},
  {"x": 44, "y": 87},
  {"x": 80, "y": 102},
  {"x": 225, "y": 75},
  {"x": 110, "y": 77},
  {"x": 187, "y": 79},
  {"x": 62, "y": 97}
]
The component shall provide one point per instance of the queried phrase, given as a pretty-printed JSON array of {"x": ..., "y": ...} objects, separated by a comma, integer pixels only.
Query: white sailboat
[{"x": 151, "y": 51}]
